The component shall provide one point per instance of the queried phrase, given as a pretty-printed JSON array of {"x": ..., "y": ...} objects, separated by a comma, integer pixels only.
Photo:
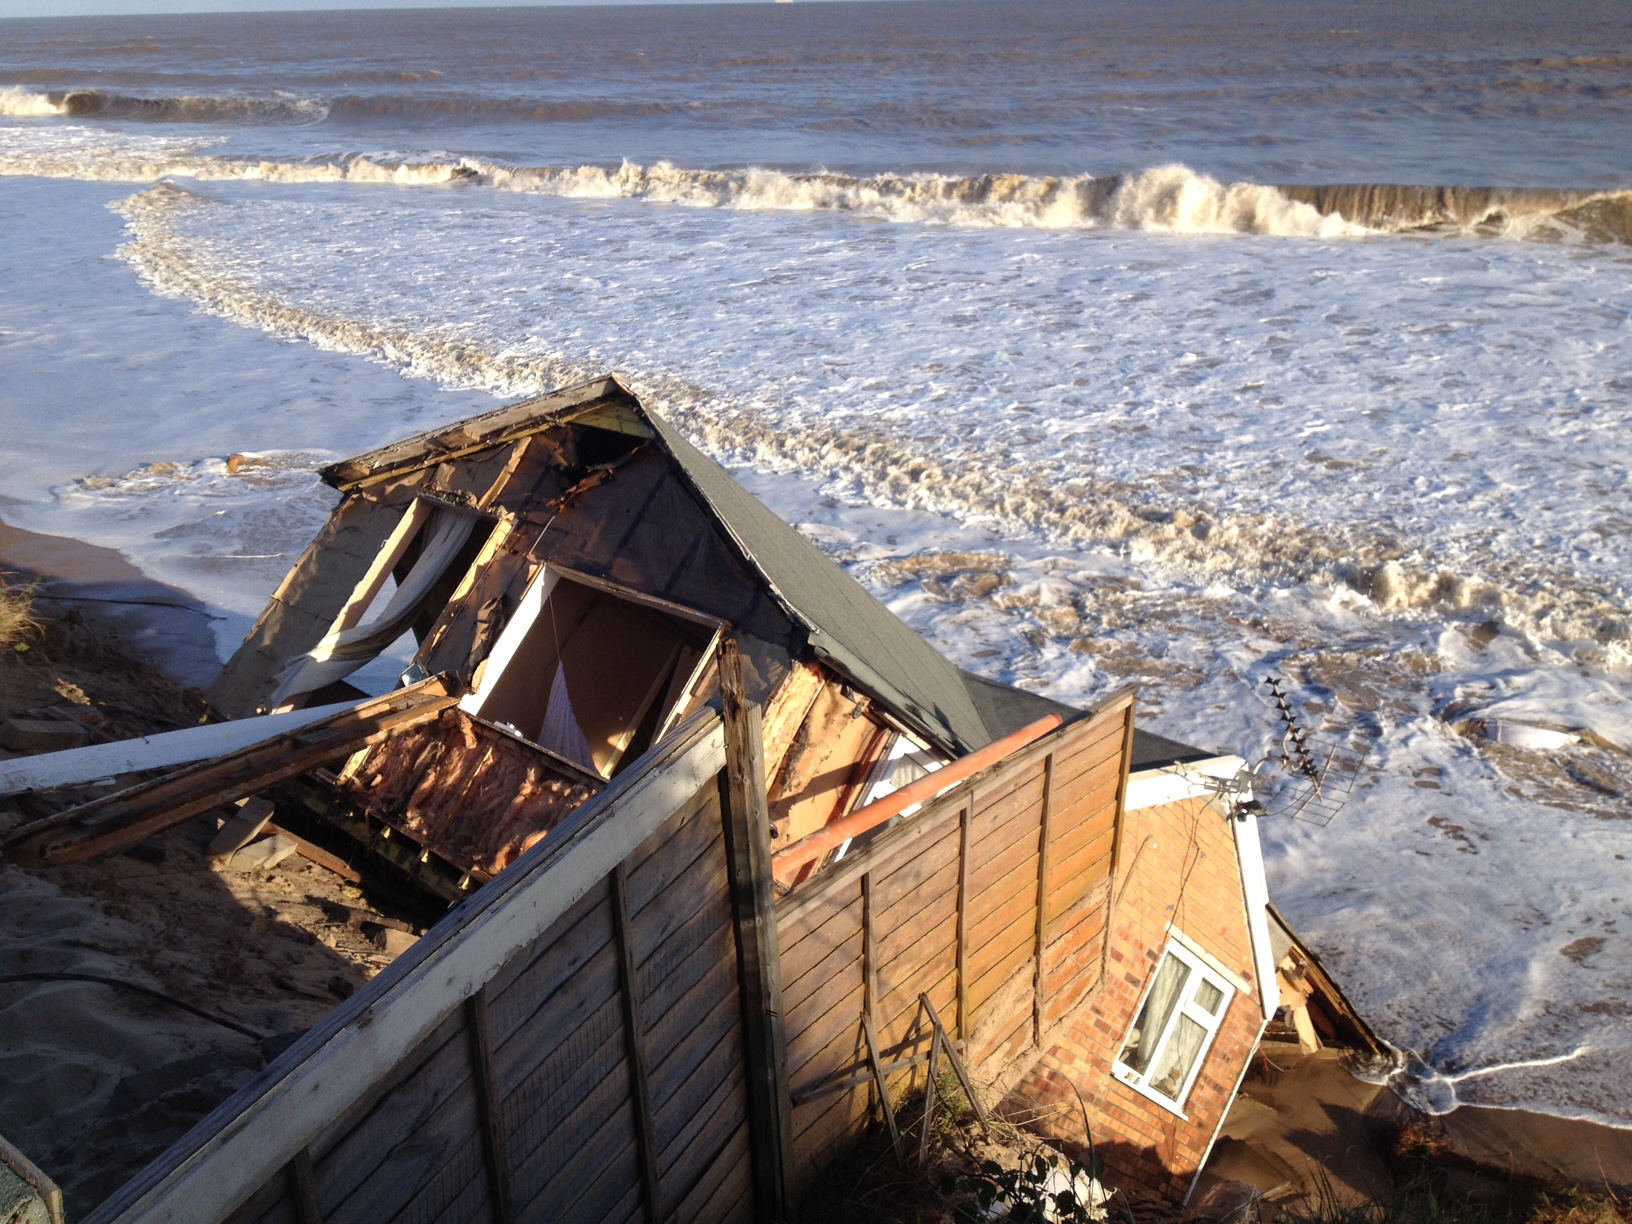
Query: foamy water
[{"x": 1068, "y": 361}]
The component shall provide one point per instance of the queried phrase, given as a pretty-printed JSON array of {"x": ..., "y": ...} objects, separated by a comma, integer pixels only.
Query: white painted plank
[
  {"x": 1250, "y": 854},
  {"x": 76, "y": 766}
]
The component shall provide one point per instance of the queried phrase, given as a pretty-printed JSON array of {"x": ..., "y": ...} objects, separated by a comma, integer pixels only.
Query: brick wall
[{"x": 1178, "y": 865}]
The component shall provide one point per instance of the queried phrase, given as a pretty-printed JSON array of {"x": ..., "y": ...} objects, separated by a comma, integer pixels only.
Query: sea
[{"x": 1178, "y": 344}]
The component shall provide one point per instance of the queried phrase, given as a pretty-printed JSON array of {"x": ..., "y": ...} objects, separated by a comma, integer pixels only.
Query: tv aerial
[{"x": 1303, "y": 777}]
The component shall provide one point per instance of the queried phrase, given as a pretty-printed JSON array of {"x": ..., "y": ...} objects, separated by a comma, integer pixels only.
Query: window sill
[{"x": 1149, "y": 1095}]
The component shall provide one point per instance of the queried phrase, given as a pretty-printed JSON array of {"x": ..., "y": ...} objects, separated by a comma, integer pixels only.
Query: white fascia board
[
  {"x": 76, "y": 766},
  {"x": 1255, "y": 890},
  {"x": 1172, "y": 783}
]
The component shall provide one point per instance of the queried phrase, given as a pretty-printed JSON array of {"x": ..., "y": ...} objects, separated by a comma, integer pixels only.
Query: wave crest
[
  {"x": 102, "y": 104},
  {"x": 1167, "y": 199},
  {"x": 22, "y": 104}
]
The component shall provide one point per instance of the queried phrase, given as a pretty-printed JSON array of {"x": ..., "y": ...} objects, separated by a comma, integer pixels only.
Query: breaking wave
[
  {"x": 1508, "y": 212},
  {"x": 1166, "y": 199},
  {"x": 21, "y": 104},
  {"x": 102, "y": 104}
]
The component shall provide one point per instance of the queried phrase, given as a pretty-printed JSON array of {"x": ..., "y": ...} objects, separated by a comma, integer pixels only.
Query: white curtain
[
  {"x": 1169, "y": 1076},
  {"x": 561, "y": 733},
  {"x": 1154, "y": 1015},
  {"x": 340, "y": 654}
]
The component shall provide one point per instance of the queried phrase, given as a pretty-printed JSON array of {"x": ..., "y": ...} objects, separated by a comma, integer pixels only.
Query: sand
[
  {"x": 96, "y": 1081},
  {"x": 1302, "y": 1124}
]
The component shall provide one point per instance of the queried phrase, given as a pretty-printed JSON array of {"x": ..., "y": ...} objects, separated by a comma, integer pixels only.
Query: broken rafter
[
  {"x": 600, "y": 396},
  {"x": 121, "y": 819}
]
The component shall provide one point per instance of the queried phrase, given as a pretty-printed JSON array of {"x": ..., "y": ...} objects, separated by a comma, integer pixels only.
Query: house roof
[{"x": 842, "y": 622}]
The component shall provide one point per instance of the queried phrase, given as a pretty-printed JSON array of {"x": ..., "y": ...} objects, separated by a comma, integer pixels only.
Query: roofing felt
[{"x": 844, "y": 623}]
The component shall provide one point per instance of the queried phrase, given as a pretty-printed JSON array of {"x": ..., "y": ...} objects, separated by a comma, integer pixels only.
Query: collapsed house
[{"x": 735, "y": 858}]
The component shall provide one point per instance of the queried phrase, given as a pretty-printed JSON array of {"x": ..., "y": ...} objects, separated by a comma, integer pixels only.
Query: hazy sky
[{"x": 99, "y": 8}]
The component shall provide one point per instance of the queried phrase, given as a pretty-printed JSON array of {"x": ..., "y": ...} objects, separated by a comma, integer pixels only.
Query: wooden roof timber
[{"x": 496, "y": 428}]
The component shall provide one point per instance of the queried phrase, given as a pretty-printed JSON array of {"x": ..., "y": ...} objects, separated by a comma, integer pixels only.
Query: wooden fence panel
[{"x": 993, "y": 900}]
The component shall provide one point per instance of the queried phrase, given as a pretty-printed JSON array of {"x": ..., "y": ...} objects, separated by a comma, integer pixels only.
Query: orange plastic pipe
[{"x": 927, "y": 787}]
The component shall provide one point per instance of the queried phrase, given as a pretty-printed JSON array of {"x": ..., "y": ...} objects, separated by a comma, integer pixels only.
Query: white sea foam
[
  {"x": 1205, "y": 524},
  {"x": 1169, "y": 199},
  {"x": 18, "y": 103}
]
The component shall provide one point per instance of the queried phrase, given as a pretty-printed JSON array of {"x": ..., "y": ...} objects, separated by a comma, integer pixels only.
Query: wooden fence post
[
  {"x": 634, "y": 1036},
  {"x": 966, "y": 1025},
  {"x": 753, "y": 903},
  {"x": 303, "y": 1188},
  {"x": 1040, "y": 1000},
  {"x": 495, "y": 1145},
  {"x": 1112, "y": 896}
]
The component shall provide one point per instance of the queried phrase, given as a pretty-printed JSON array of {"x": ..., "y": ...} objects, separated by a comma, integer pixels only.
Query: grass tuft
[{"x": 17, "y": 622}]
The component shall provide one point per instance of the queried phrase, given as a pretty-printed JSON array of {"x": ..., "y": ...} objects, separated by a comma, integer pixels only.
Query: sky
[{"x": 105, "y": 8}]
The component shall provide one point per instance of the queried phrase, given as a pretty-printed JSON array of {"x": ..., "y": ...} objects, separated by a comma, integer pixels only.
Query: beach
[{"x": 1039, "y": 353}]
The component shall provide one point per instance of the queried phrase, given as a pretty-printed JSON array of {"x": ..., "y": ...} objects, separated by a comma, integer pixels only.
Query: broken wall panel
[
  {"x": 466, "y": 791},
  {"x": 825, "y": 763},
  {"x": 305, "y": 605},
  {"x": 643, "y": 530},
  {"x": 598, "y": 983},
  {"x": 480, "y": 607}
]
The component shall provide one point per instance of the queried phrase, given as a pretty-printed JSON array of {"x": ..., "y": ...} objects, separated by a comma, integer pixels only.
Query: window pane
[
  {"x": 1154, "y": 1015},
  {"x": 1209, "y": 997},
  {"x": 1168, "y": 1078}
]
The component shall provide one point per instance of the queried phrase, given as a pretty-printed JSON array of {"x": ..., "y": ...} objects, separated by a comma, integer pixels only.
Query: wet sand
[
  {"x": 1302, "y": 1121},
  {"x": 161, "y": 624}
]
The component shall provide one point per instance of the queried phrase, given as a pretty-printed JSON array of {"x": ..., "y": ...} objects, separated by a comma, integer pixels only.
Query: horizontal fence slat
[
  {"x": 1093, "y": 788},
  {"x": 1091, "y": 866},
  {"x": 996, "y": 826},
  {"x": 692, "y": 994},
  {"x": 529, "y": 982},
  {"x": 828, "y": 1042},
  {"x": 930, "y": 869},
  {"x": 1013, "y": 948},
  {"x": 703, "y": 1124},
  {"x": 343, "y": 1161},
  {"x": 992, "y": 883},
  {"x": 590, "y": 1069},
  {"x": 559, "y": 1018},
  {"x": 1083, "y": 824},
  {"x": 725, "y": 1194},
  {"x": 892, "y": 943},
  {"x": 841, "y": 956},
  {"x": 808, "y": 935}
]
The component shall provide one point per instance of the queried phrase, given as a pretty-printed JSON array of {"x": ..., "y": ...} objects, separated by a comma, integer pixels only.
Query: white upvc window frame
[{"x": 1201, "y": 971}]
